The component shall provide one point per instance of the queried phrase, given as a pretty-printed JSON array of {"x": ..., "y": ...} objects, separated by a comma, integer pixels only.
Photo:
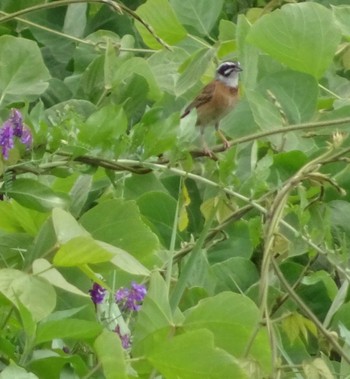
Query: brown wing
[{"x": 204, "y": 97}]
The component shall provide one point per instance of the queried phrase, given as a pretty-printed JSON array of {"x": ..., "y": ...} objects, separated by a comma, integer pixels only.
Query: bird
[{"x": 216, "y": 100}]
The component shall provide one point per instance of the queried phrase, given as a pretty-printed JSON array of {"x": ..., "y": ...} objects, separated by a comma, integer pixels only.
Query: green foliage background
[{"x": 245, "y": 256}]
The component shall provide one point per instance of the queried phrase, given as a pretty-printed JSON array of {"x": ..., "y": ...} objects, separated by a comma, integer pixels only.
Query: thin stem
[
  {"x": 285, "y": 129},
  {"x": 173, "y": 238}
]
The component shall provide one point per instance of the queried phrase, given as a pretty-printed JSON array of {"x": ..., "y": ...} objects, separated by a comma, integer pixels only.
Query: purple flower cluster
[
  {"x": 97, "y": 293},
  {"x": 11, "y": 128},
  {"x": 130, "y": 298}
]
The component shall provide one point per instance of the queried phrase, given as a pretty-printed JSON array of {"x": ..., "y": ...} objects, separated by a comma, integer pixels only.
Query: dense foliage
[{"x": 125, "y": 251}]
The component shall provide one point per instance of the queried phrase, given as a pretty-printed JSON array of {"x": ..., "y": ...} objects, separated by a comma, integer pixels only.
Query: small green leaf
[
  {"x": 24, "y": 75},
  {"x": 67, "y": 328},
  {"x": 35, "y": 195},
  {"x": 111, "y": 355},
  {"x": 162, "y": 18},
  {"x": 302, "y": 36}
]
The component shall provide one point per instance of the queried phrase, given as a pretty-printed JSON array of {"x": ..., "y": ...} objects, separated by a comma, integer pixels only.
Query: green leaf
[
  {"x": 227, "y": 38},
  {"x": 83, "y": 250},
  {"x": 164, "y": 65},
  {"x": 69, "y": 328},
  {"x": 75, "y": 20},
  {"x": 49, "y": 365},
  {"x": 104, "y": 127},
  {"x": 342, "y": 15},
  {"x": 229, "y": 317},
  {"x": 154, "y": 315},
  {"x": 43, "y": 269},
  {"x": 12, "y": 371},
  {"x": 139, "y": 66},
  {"x": 193, "y": 355},
  {"x": 80, "y": 251},
  {"x": 200, "y": 15},
  {"x": 111, "y": 355},
  {"x": 119, "y": 223},
  {"x": 159, "y": 209},
  {"x": 236, "y": 274},
  {"x": 302, "y": 36},
  {"x": 79, "y": 194},
  {"x": 162, "y": 18},
  {"x": 24, "y": 75},
  {"x": 297, "y": 93},
  {"x": 36, "y": 294},
  {"x": 66, "y": 227},
  {"x": 35, "y": 195},
  {"x": 194, "y": 68}
]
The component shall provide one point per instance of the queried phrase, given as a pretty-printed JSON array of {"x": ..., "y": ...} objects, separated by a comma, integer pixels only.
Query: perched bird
[{"x": 216, "y": 100}]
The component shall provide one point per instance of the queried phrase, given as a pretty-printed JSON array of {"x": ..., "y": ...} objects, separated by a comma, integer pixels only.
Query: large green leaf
[
  {"x": 36, "y": 294},
  {"x": 296, "y": 92},
  {"x": 235, "y": 274},
  {"x": 24, "y": 75},
  {"x": 193, "y": 69},
  {"x": 119, "y": 223},
  {"x": 200, "y": 15},
  {"x": 302, "y": 36},
  {"x": 111, "y": 355},
  {"x": 155, "y": 314},
  {"x": 193, "y": 355},
  {"x": 68, "y": 328},
  {"x": 159, "y": 208},
  {"x": 35, "y": 195},
  {"x": 79, "y": 248},
  {"x": 162, "y": 18},
  {"x": 232, "y": 317},
  {"x": 42, "y": 268},
  {"x": 342, "y": 15},
  {"x": 12, "y": 371}
]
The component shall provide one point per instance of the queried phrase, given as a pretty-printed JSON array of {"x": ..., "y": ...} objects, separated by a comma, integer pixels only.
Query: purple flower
[
  {"x": 14, "y": 127},
  {"x": 26, "y": 137},
  {"x": 130, "y": 298},
  {"x": 97, "y": 293},
  {"x": 16, "y": 120},
  {"x": 125, "y": 339},
  {"x": 6, "y": 138}
]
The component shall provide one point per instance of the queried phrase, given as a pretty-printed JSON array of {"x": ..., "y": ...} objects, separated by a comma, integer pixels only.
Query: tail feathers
[{"x": 185, "y": 113}]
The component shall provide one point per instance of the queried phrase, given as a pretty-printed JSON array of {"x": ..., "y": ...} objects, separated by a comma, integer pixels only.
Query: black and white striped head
[{"x": 227, "y": 72}]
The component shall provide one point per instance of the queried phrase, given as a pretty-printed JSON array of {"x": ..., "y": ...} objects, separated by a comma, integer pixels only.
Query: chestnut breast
[{"x": 221, "y": 100}]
